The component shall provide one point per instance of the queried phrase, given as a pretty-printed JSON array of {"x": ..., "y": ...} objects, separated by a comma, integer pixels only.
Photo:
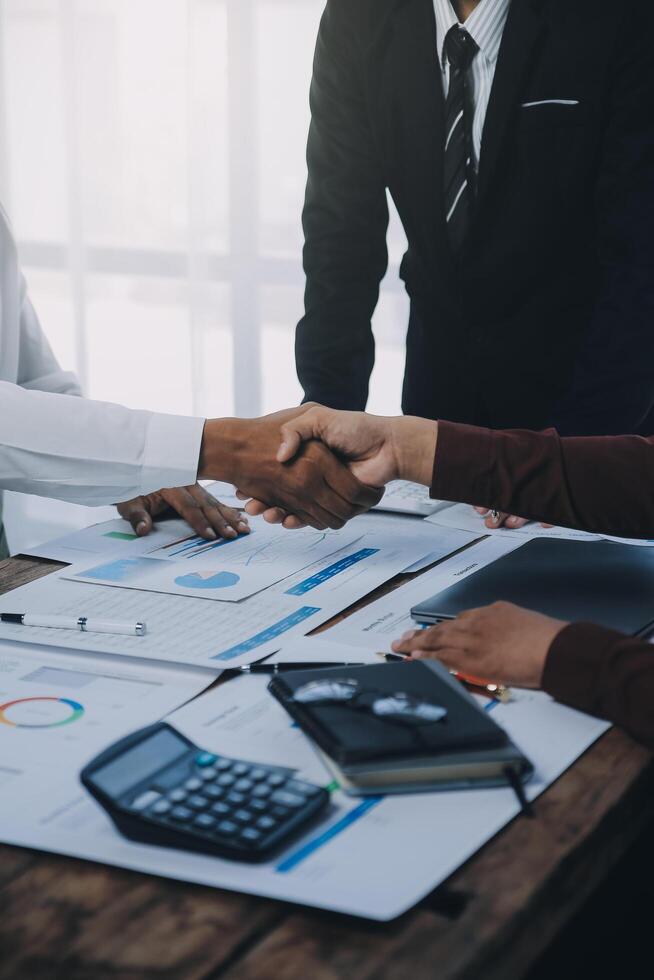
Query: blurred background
[{"x": 152, "y": 162}]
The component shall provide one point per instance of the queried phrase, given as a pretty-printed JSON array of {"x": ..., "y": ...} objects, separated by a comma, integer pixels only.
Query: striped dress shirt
[{"x": 485, "y": 25}]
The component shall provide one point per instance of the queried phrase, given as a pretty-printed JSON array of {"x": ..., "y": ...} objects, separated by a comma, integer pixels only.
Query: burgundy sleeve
[
  {"x": 605, "y": 674},
  {"x": 594, "y": 483}
]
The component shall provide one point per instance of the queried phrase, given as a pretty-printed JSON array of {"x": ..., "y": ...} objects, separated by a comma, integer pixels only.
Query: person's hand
[
  {"x": 314, "y": 485},
  {"x": 502, "y": 643},
  {"x": 376, "y": 449},
  {"x": 497, "y": 518},
  {"x": 207, "y": 516}
]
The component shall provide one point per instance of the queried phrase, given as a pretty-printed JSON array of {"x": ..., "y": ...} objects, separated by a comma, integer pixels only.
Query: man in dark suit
[{"x": 516, "y": 138}]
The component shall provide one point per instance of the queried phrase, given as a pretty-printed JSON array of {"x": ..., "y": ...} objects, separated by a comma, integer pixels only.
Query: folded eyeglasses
[{"x": 398, "y": 707}]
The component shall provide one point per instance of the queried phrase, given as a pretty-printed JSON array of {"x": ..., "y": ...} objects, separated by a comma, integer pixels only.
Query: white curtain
[{"x": 152, "y": 159}]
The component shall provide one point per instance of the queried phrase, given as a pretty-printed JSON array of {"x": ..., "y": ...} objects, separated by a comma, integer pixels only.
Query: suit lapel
[
  {"x": 522, "y": 33},
  {"x": 410, "y": 95},
  {"x": 413, "y": 92}
]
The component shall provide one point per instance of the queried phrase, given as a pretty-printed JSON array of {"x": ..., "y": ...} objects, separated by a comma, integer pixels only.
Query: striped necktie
[{"x": 458, "y": 173}]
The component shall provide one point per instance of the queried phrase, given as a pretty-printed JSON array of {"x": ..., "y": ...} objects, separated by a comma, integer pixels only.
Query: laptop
[{"x": 600, "y": 582}]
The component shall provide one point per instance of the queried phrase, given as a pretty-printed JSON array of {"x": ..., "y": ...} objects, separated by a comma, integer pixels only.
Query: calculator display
[{"x": 136, "y": 764}]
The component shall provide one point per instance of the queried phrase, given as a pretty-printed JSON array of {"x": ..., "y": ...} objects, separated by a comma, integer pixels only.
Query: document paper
[
  {"x": 466, "y": 518},
  {"x": 117, "y": 536},
  {"x": 60, "y": 710},
  {"x": 377, "y": 624},
  {"x": 226, "y": 570},
  {"x": 435, "y": 542},
  {"x": 373, "y": 857},
  {"x": 187, "y": 630}
]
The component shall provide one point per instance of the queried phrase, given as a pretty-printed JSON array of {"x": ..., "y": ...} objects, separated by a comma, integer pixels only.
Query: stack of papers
[
  {"x": 374, "y": 857},
  {"x": 66, "y": 695},
  {"x": 226, "y": 570},
  {"x": 269, "y": 585},
  {"x": 465, "y": 518}
]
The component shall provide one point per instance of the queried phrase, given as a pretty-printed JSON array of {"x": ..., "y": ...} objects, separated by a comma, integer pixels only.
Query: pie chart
[
  {"x": 208, "y": 580},
  {"x": 43, "y": 712}
]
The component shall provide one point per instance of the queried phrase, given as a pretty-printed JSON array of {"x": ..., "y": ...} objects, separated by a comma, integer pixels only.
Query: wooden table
[{"x": 60, "y": 917}]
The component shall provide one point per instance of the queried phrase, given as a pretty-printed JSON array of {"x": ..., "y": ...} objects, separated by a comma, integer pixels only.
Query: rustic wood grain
[
  {"x": 65, "y": 918},
  {"x": 13, "y": 861},
  {"x": 514, "y": 895},
  {"x": 21, "y": 570}
]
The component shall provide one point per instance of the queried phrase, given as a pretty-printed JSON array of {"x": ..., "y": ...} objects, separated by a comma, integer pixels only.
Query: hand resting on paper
[
  {"x": 502, "y": 642},
  {"x": 495, "y": 519},
  {"x": 202, "y": 512}
]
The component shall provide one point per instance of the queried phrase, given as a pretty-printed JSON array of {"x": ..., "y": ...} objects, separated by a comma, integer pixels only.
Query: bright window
[{"x": 152, "y": 163}]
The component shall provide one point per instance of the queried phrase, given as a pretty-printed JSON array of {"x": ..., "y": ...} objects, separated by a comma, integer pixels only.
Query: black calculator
[{"x": 160, "y": 788}]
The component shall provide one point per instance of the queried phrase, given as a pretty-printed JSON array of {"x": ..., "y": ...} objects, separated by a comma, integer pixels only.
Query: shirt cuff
[
  {"x": 463, "y": 464},
  {"x": 172, "y": 452},
  {"x": 575, "y": 667}
]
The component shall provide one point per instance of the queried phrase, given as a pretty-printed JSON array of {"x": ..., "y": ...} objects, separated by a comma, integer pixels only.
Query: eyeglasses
[{"x": 400, "y": 707}]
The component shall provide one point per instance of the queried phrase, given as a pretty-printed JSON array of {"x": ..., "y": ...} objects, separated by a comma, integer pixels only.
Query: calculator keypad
[{"x": 231, "y": 804}]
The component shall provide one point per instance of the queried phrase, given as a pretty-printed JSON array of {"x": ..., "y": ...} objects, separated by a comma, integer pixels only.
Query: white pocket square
[{"x": 531, "y": 105}]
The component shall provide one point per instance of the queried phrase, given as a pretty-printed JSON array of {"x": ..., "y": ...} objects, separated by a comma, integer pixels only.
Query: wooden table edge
[{"x": 497, "y": 912}]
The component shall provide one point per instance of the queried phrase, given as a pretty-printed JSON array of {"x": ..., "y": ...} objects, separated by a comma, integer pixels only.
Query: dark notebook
[
  {"x": 350, "y": 735},
  {"x": 593, "y": 581}
]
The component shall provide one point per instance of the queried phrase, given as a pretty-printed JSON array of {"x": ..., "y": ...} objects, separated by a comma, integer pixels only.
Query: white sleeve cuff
[{"x": 172, "y": 452}]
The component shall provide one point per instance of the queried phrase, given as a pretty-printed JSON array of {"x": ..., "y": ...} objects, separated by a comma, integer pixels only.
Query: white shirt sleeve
[
  {"x": 55, "y": 444},
  {"x": 91, "y": 452}
]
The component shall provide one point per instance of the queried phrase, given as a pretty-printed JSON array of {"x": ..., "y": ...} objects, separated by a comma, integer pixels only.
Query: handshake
[{"x": 316, "y": 466}]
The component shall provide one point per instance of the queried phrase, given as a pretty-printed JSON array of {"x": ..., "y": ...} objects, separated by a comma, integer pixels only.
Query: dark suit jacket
[{"x": 549, "y": 319}]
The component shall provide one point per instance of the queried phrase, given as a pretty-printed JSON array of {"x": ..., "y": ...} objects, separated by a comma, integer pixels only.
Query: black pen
[
  {"x": 515, "y": 783},
  {"x": 282, "y": 668}
]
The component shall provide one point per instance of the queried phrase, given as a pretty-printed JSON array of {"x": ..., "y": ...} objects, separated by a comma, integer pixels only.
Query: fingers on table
[
  {"x": 223, "y": 519},
  {"x": 497, "y": 518},
  {"x": 516, "y": 522},
  {"x": 432, "y": 641},
  {"x": 137, "y": 513},
  {"x": 142, "y": 522},
  {"x": 209, "y": 518}
]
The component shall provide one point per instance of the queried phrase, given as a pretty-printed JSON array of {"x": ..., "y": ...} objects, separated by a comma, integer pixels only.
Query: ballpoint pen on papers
[
  {"x": 477, "y": 684},
  {"x": 282, "y": 668},
  {"x": 515, "y": 783},
  {"x": 497, "y": 691},
  {"x": 80, "y": 623}
]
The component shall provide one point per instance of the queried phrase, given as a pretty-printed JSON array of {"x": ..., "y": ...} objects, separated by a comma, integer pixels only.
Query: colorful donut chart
[{"x": 76, "y": 712}]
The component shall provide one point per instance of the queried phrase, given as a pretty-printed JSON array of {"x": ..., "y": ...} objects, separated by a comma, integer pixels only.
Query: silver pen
[{"x": 80, "y": 623}]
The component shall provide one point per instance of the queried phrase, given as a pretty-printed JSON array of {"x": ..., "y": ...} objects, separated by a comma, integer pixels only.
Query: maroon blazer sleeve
[
  {"x": 603, "y": 484},
  {"x": 606, "y": 674},
  {"x": 598, "y": 483}
]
